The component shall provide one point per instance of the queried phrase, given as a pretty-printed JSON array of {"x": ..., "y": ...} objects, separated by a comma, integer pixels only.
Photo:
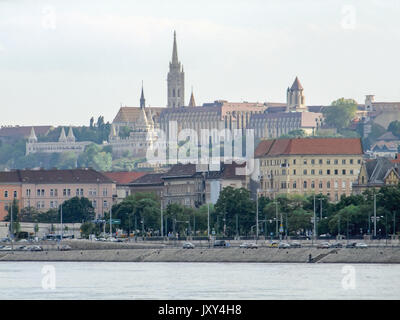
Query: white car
[
  {"x": 361, "y": 245},
  {"x": 6, "y": 248}
]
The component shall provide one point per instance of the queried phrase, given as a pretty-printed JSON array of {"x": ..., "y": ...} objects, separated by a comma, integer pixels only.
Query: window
[
  {"x": 336, "y": 184},
  {"x": 42, "y": 192},
  {"x": 105, "y": 192},
  {"x": 320, "y": 185},
  {"x": 320, "y": 172},
  {"x": 294, "y": 161},
  {"x": 320, "y": 161},
  {"x": 344, "y": 171},
  {"x": 312, "y": 171},
  {"x": 294, "y": 185},
  {"x": 336, "y": 197},
  {"x": 351, "y": 172},
  {"x": 38, "y": 192},
  {"x": 105, "y": 204},
  {"x": 51, "y": 195},
  {"x": 343, "y": 184},
  {"x": 81, "y": 192},
  {"x": 328, "y": 185},
  {"x": 38, "y": 204},
  {"x": 328, "y": 171},
  {"x": 6, "y": 194},
  {"x": 15, "y": 194},
  {"x": 336, "y": 161},
  {"x": 312, "y": 161},
  {"x": 28, "y": 192},
  {"x": 328, "y": 161},
  {"x": 343, "y": 161},
  {"x": 359, "y": 161},
  {"x": 305, "y": 184},
  {"x": 305, "y": 161},
  {"x": 77, "y": 192},
  {"x": 294, "y": 172},
  {"x": 336, "y": 171},
  {"x": 305, "y": 171},
  {"x": 94, "y": 203},
  {"x": 68, "y": 192},
  {"x": 312, "y": 184},
  {"x": 362, "y": 180},
  {"x": 283, "y": 185},
  {"x": 351, "y": 161}
]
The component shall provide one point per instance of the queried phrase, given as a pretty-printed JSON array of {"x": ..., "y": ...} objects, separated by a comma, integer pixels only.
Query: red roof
[
  {"x": 124, "y": 177},
  {"x": 300, "y": 146}
]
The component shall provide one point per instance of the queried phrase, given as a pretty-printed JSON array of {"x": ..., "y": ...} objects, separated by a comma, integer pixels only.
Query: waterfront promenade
[{"x": 160, "y": 252}]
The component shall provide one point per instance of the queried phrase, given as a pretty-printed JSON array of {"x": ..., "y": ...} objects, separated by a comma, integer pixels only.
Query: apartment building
[
  {"x": 309, "y": 165},
  {"x": 47, "y": 189}
]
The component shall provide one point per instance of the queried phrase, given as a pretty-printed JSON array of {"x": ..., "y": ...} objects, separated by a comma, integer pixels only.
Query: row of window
[
  {"x": 6, "y": 193},
  {"x": 66, "y": 192},
  {"x": 285, "y": 162},
  {"x": 285, "y": 185},
  {"x": 313, "y": 172}
]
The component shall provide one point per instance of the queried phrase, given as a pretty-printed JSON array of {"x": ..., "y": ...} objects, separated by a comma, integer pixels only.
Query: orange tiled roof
[
  {"x": 124, "y": 177},
  {"x": 328, "y": 146}
]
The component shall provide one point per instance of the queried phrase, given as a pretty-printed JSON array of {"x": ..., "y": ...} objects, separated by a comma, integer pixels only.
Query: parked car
[
  {"x": 351, "y": 245},
  {"x": 5, "y": 240},
  {"x": 274, "y": 244},
  {"x": 6, "y": 248},
  {"x": 361, "y": 245},
  {"x": 295, "y": 245},
  {"x": 220, "y": 243},
  {"x": 248, "y": 245},
  {"x": 35, "y": 248},
  {"x": 336, "y": 245},
  {"x": 20, "y": 248},
  {"x": 324, "y": 245},
  {"x": 65, "y": 247},
  {"x": 283, "y": 245},
  {"x": 188, "y": 245}
]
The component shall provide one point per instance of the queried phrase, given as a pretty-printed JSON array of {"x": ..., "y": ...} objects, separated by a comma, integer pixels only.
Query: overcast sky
[{"x": 62, "y": 62}]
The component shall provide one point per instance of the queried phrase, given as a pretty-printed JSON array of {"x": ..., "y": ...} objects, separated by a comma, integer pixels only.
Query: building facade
[
  {"x": 305, "y": 166},
  {"x": 47, "y": 189}
]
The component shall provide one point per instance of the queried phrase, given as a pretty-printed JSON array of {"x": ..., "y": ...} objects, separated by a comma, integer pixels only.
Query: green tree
[
  {"x": 394, "y": 127},
  {"x": 233, "y": 205},
  {"x": 77, "y": 210},
  {"x": 88, "y": 228},
  {"x": 340, "y": 113}
]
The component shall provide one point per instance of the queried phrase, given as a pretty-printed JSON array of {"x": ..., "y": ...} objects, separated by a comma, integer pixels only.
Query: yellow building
[{"x": 309, "y": 165}]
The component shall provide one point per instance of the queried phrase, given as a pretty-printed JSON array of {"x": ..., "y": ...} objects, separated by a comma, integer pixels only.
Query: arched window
[{"x": 173, "y": 93}]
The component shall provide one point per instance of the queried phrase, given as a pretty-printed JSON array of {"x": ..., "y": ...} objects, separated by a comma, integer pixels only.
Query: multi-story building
[
  {"x": 10, "y": 189},
  {"x": 47, "y": 189},
  {"x": 309, "y": 165},
  {"x": 376, "y": 173},
  {"x": 122, "y": 180}
]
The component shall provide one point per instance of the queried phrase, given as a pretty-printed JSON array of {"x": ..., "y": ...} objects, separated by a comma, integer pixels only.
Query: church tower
[
  {"x": 176, "y": 80},
  {"x": 295, "y": 99}
]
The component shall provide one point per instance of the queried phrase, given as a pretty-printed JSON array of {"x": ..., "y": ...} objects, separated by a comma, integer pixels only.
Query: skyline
[{"x": 57, "y": 59}]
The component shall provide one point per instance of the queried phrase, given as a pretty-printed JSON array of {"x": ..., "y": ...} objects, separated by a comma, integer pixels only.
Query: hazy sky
[{"x": 62, "y": 62}]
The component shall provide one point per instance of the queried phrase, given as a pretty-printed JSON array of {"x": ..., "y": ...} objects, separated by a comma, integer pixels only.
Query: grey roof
[{"x": 378, "y": 169}]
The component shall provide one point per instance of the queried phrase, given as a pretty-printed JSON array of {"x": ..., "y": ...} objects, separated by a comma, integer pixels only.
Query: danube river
[{"x": 125, "y": 280}]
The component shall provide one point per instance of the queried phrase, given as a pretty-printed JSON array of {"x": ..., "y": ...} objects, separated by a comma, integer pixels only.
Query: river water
[{"x": 123, "y": 280}]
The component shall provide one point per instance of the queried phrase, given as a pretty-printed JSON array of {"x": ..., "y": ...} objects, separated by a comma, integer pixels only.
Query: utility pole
[
  {"x": 61, "y": 217},
  {"x": 315, "y": 222},
  {"x": 256, "y": 214},
  {"x": 276, "y": 217},
  {"x": 110, "y": 222},
  {"x": 208, "y": 220},
  {"x": 12, "y": 227},
  {"x": 374, "y": 215},
  {"x": 320, "y": 209},
  {"x": 162, "y": 220}
]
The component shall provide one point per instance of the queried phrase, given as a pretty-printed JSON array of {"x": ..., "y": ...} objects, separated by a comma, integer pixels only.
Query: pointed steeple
[
  {"x": 62, "y": 137},
  {"x": 70, "y": 137},
  {"x": 32, "y": 137},
  {"x": 142, "y": 99},
  {"x": 192, "y": 103},
  {"x": 174, "y": 51},
  {"x": 296, "y": 85}
]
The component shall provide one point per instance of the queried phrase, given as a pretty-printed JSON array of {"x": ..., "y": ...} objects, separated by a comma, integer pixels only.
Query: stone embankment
[{"x": 118, "y": 253}]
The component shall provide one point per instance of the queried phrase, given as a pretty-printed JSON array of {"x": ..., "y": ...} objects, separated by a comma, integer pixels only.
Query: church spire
[
  {"x": 174, "y": 51},
  {"x": 192, "y": 103},
  {"x": 63, "y": 137},
  {"x": 142, "y": 99},
  {"x": 32, "y": 137}
]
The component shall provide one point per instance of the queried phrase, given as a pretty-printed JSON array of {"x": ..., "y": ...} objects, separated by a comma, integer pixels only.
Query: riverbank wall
[{"x": 234, "y": 255}]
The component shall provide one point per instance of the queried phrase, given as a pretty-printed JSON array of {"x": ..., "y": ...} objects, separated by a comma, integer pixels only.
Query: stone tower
[
  {"x": 176, "y": 80},
  {"x": 295, "y": 99}
]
